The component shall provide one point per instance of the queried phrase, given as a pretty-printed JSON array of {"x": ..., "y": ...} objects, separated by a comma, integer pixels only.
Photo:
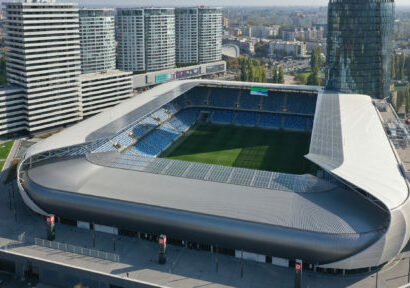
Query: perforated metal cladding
[{"x": 215, "y": 173}]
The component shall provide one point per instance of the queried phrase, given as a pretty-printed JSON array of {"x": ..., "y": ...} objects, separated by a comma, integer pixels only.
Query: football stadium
[{"x": 284, "y": 172}]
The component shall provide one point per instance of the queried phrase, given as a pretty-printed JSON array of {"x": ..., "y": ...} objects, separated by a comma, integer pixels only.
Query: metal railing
[{"x": 77, "y": 250}]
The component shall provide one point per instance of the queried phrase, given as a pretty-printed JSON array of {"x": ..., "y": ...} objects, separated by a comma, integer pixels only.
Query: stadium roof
[{"x": 348, "y": 140}]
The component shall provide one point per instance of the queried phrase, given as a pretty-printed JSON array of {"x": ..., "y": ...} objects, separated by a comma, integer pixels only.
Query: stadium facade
[
  {"x": 360, "y": 46},
  {"x": 107, "y": 170}
]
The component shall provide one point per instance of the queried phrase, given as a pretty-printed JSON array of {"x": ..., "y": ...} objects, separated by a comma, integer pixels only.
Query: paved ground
[{"x": 403, "y": 152}]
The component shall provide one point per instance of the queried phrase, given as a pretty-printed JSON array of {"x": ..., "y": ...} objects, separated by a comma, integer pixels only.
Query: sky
[{"x": 113, "y": 3}]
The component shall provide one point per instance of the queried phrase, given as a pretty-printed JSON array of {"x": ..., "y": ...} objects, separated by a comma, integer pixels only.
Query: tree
[
  {"x": 393, "y": 70},
  {"x": 274, "y": 75},
  {"x": 402, "y": 62},
  {"x": 313, "y": 78},
  {"x": 301, "y": 78},
  {"x": 407, "y": 98},
  {"x": 316, "y": 58},
  {"x": 407, "y": 68},
  {"x": 281, "y": 76}
]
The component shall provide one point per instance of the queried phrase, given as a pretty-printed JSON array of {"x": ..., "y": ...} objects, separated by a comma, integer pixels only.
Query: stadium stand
[
  {"x": 158, "y": 130},
  {"x": 246, "y": 118},
  {"x": 149, "y": 123},
  {"x": 273, "y": 102},
  {"x": 309, "y": 126},
  {"x": 301, "y": 103},
  {"x": 251, "y": 102},
  {"x": 188, "y": 116},
  {"x": 268, "y": 120},
  {"x": 106, "y": 147},
  {"x": 199, "y": 96},
  {"x": 222, "y": 98},
  {"x": 223, "y": 116},
  {"x": 138, "y": 130},
  {"x": 170, "y": 109},
  {"x": 295, "y": 122},
  {"x": 161, "y": 115},
  {"x": 169, "y": 131},
  {"x": 123, "y": 139},
  {"x": 144, "y": 149}
]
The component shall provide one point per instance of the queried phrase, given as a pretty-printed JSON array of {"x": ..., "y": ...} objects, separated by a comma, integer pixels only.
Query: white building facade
[
  {"x": 146, "y": 39},
  {"x": 285, "y": 48},
  {"x": 159, "y": 24},
  {"x": 45, "y": 87},
  {"x": 186, "y": 36},
  {"x": 43, "y": 58},
  {"x": 131, "y": 40},
  {"x": 97, "y": 38},
  {"x": 100, "y": 91},
  {"x": 210, "y": 34}
]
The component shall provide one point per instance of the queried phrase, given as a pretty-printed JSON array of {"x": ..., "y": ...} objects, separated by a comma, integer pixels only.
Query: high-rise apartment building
[
  {"x": 97, "y": 38},
  {"x": 159, "y": 28},
  {"x": 360, "y": 46},
  {"x": 101, "y": 86},
  {"x": 43, "y": 59},
  {"x": 198, "y": 35},
  {"x": 131, "y": 40},
  {"x": 146, "y": 39},
  {"x": 210, "y": 34},
  {"x": 44, "y": 51},
  {"x": 186, "y": 31}
]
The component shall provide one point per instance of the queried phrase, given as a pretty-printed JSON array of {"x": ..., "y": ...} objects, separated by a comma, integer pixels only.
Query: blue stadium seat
[
  {"x": 169, "y": 131},
  {"x": 171, "y": 109},
  {"x": 309, "y": 124},
  {"x": 273, "y": 102},
  {"x": 184, "y": 119},
  {"x": 295, "y": 122},
  {"x": 198, "y": 96},
  {"x": 179, "y": 102},
  {"x": 144, "y": 149},
  {"x": 149, "y": 123},
  {"x": 246, "y": 118},
  {"x": 123, "y": 139},
  {"x": 224, "y": 97},
  {"x": 160, "y": 114},
  {"x": 155, "y": 139},
  {"x": 301, "y": 103},
  {"x": 223, "y": 116},
  {"x": 106, "y": 147},
  {"x": 268, "y": 120},
  {"x": 250, "y": 102}
]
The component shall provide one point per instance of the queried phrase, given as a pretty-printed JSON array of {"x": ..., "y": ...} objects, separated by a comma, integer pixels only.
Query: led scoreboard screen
[{"x": 259, "y": 91}]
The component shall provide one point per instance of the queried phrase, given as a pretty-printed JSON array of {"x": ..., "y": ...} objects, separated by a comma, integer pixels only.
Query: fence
[{"x": 77, "y": 250}]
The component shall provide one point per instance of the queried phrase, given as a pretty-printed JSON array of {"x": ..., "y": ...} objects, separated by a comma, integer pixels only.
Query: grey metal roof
[
  {"x": 214, "y": 173},
  {"x": 348, "y": 140},
  {"x": 335, "y": 211}
]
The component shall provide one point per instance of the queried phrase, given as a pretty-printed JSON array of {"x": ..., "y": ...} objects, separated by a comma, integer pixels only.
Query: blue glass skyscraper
[{"x": 360, "y": 46}]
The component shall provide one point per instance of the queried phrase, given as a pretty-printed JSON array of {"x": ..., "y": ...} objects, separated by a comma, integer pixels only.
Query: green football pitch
[{"x": 262, "y": 149}]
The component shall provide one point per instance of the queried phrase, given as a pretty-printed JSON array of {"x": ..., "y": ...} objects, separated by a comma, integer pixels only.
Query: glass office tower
[{"x": 360, "y": 46}]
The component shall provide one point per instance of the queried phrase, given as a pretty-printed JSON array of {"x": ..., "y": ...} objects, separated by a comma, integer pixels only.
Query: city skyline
[{"x": 224, "y": 3}]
